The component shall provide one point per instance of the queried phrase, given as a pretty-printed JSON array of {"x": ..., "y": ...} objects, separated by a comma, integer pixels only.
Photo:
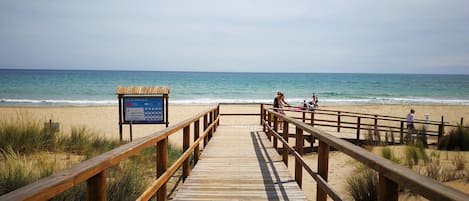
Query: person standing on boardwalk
[
  {"x": 410, "y": 124},
  {"x": 276, "y": 103},
  {"x": 279, "y": 103}
]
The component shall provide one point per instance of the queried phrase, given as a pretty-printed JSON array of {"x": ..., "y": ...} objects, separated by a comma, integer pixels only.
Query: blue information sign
[{"x": 143, "y": 110}]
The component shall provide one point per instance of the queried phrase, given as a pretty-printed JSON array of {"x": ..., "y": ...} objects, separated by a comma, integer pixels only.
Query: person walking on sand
[
  {"x": 410, "y": 124},
  {"x": 315, "y": 101}
]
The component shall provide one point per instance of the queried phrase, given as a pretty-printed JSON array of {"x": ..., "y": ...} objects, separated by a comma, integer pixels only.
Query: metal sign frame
[
  {"x": 143, "y": 110},
  {"x": 122, "y": 113}
]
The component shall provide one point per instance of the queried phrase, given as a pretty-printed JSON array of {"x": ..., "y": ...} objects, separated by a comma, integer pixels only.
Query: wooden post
[
  {"x": 285, "y": 137},
  {"x": 167, "y": 109},
  {"x": 393, "y": 139},
  {"x": 401, "y": 134},
  {"x": 186, "y": 168},
  {"x": 161, "y": 166},
  {"x": 388, "y": 190},
  {"x": 338, "y": 121},
  {"x": 441, "y": 129},
  {"x": 218, "y": 115},
  {"x": 312, "y": 125},
  {"x": 120, "y": 117},
  {"x": 269, "y": 120},
  {"x": 96, "y": 187},
  {"x": 299, "y": 149},
  {"x": 462, "y": 121},
  {"x": 215, "y": 116},
  {"x": 323, "y": 166},
  {"x": 131, "y": 135},
  {"x": 304, "y": 117},
  {"x": 210, "y": 123},
  {"x": 312, "y": 119},
  {"x": 376, "y": 131},
  {"x": 262, "y": 116},
  {"x": 196, "y": 137},
  {"x": 266, "y": 119},
  {"x": 205, "y": 129},
  {"x": 276, "y": 130},
  {"x": 358, "y": 129}
]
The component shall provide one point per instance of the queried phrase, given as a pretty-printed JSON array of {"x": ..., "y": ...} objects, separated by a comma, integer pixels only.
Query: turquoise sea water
[{"x": 72, "y": 87}]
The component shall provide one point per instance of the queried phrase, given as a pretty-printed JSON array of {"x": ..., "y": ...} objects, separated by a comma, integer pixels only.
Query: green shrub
[
  {"x": 387, "y": 153},
  {"x": 413, "y": 155},
  {"x": 459, "y": 162},
  {"x": 17, "y": 170},
  {"x": 125, "y": 181},
  {"x": 86, "y": 142},
  {"x": 24, "y": 135},
  {"x": 433, "y": 171},
  {"x": 456, "y": 139},
  {"x": 363, "y": 185}
]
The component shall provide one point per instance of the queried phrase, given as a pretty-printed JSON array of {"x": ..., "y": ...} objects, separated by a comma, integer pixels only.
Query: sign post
[{"x": 142, "y": 105}]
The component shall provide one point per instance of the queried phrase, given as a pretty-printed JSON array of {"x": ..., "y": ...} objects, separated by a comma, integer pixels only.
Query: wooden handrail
[
  {"x": 384, "y": 125},
  {"x": 391, "y": 175},
  {"x": 367, "y": 115},
  {"x": 51, "y": 186}
]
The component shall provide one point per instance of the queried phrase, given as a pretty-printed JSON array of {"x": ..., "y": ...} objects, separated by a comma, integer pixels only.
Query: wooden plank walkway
[{"x": 240, "y": 163}]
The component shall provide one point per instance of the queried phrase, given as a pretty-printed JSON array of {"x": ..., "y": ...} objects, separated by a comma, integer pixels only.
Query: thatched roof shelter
[{"x": 142, "y": 90}]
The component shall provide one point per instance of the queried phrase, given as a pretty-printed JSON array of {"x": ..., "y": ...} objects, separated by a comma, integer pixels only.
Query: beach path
[{"x": 240, "y": 163}]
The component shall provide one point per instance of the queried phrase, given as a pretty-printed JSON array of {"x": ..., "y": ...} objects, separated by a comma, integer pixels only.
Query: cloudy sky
[{"x": 351, "y": 36}]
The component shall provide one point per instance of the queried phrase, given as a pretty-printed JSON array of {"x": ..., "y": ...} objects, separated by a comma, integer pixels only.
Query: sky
[{"x": 338, "y": 36}]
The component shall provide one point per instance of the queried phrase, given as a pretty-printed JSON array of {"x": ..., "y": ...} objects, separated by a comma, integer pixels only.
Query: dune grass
[
  {"x": 362, "y": 185},
  {"x": 17, "y": 170},
  {"x": 24, "y": 133},
  {"x": 84, "y": 141},
  {"x": 27, "y": 154},
  {"x": 456, "y": 139},
  {"x": 387, "y": 153}
]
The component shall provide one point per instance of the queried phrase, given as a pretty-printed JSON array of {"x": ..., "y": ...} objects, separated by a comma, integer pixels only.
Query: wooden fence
[
  {"x": 93, "y": 171},
  {"x": 378, "y": 125},
  {"x": 392, "y": 177}
]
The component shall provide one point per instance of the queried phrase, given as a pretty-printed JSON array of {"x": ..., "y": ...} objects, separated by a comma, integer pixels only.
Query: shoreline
[{"x": 105, "y": 119}]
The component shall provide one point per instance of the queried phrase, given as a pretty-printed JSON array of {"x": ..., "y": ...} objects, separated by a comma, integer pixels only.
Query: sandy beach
[{"x": 104, "y": 121}]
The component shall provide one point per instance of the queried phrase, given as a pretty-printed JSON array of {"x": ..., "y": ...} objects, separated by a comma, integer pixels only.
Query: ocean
[{"x": 86, "y": 87}]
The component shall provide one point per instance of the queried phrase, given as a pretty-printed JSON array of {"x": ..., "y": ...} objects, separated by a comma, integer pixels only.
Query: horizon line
[{"x": 204, "y": 71}]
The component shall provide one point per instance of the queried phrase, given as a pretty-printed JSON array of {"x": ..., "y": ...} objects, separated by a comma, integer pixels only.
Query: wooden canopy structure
[{"x": 142, "y": 90}]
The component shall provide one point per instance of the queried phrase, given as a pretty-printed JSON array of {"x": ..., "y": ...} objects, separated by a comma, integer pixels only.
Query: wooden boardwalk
[{"x": 240, "y": 163}]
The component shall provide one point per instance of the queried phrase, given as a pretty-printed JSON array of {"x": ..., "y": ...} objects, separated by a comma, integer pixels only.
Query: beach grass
[
  {"x": 17, "y": 170},
  {"x": 84, "y": 141},
  {"x": 362, "y": 185},
  {"x": 414, "y": 154},
  {"x": 30, "y": 152},
  {"x": 24, "y": 133},
  {"x": 456, "y": 139},
  {"x": 388, "y": 153}
]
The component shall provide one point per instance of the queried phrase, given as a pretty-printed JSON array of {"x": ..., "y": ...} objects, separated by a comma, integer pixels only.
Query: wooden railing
[
  {"x": 356, "y": 123},
  {"x": 93, "y": 171},
  {"x": 392, "y": 177}
]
